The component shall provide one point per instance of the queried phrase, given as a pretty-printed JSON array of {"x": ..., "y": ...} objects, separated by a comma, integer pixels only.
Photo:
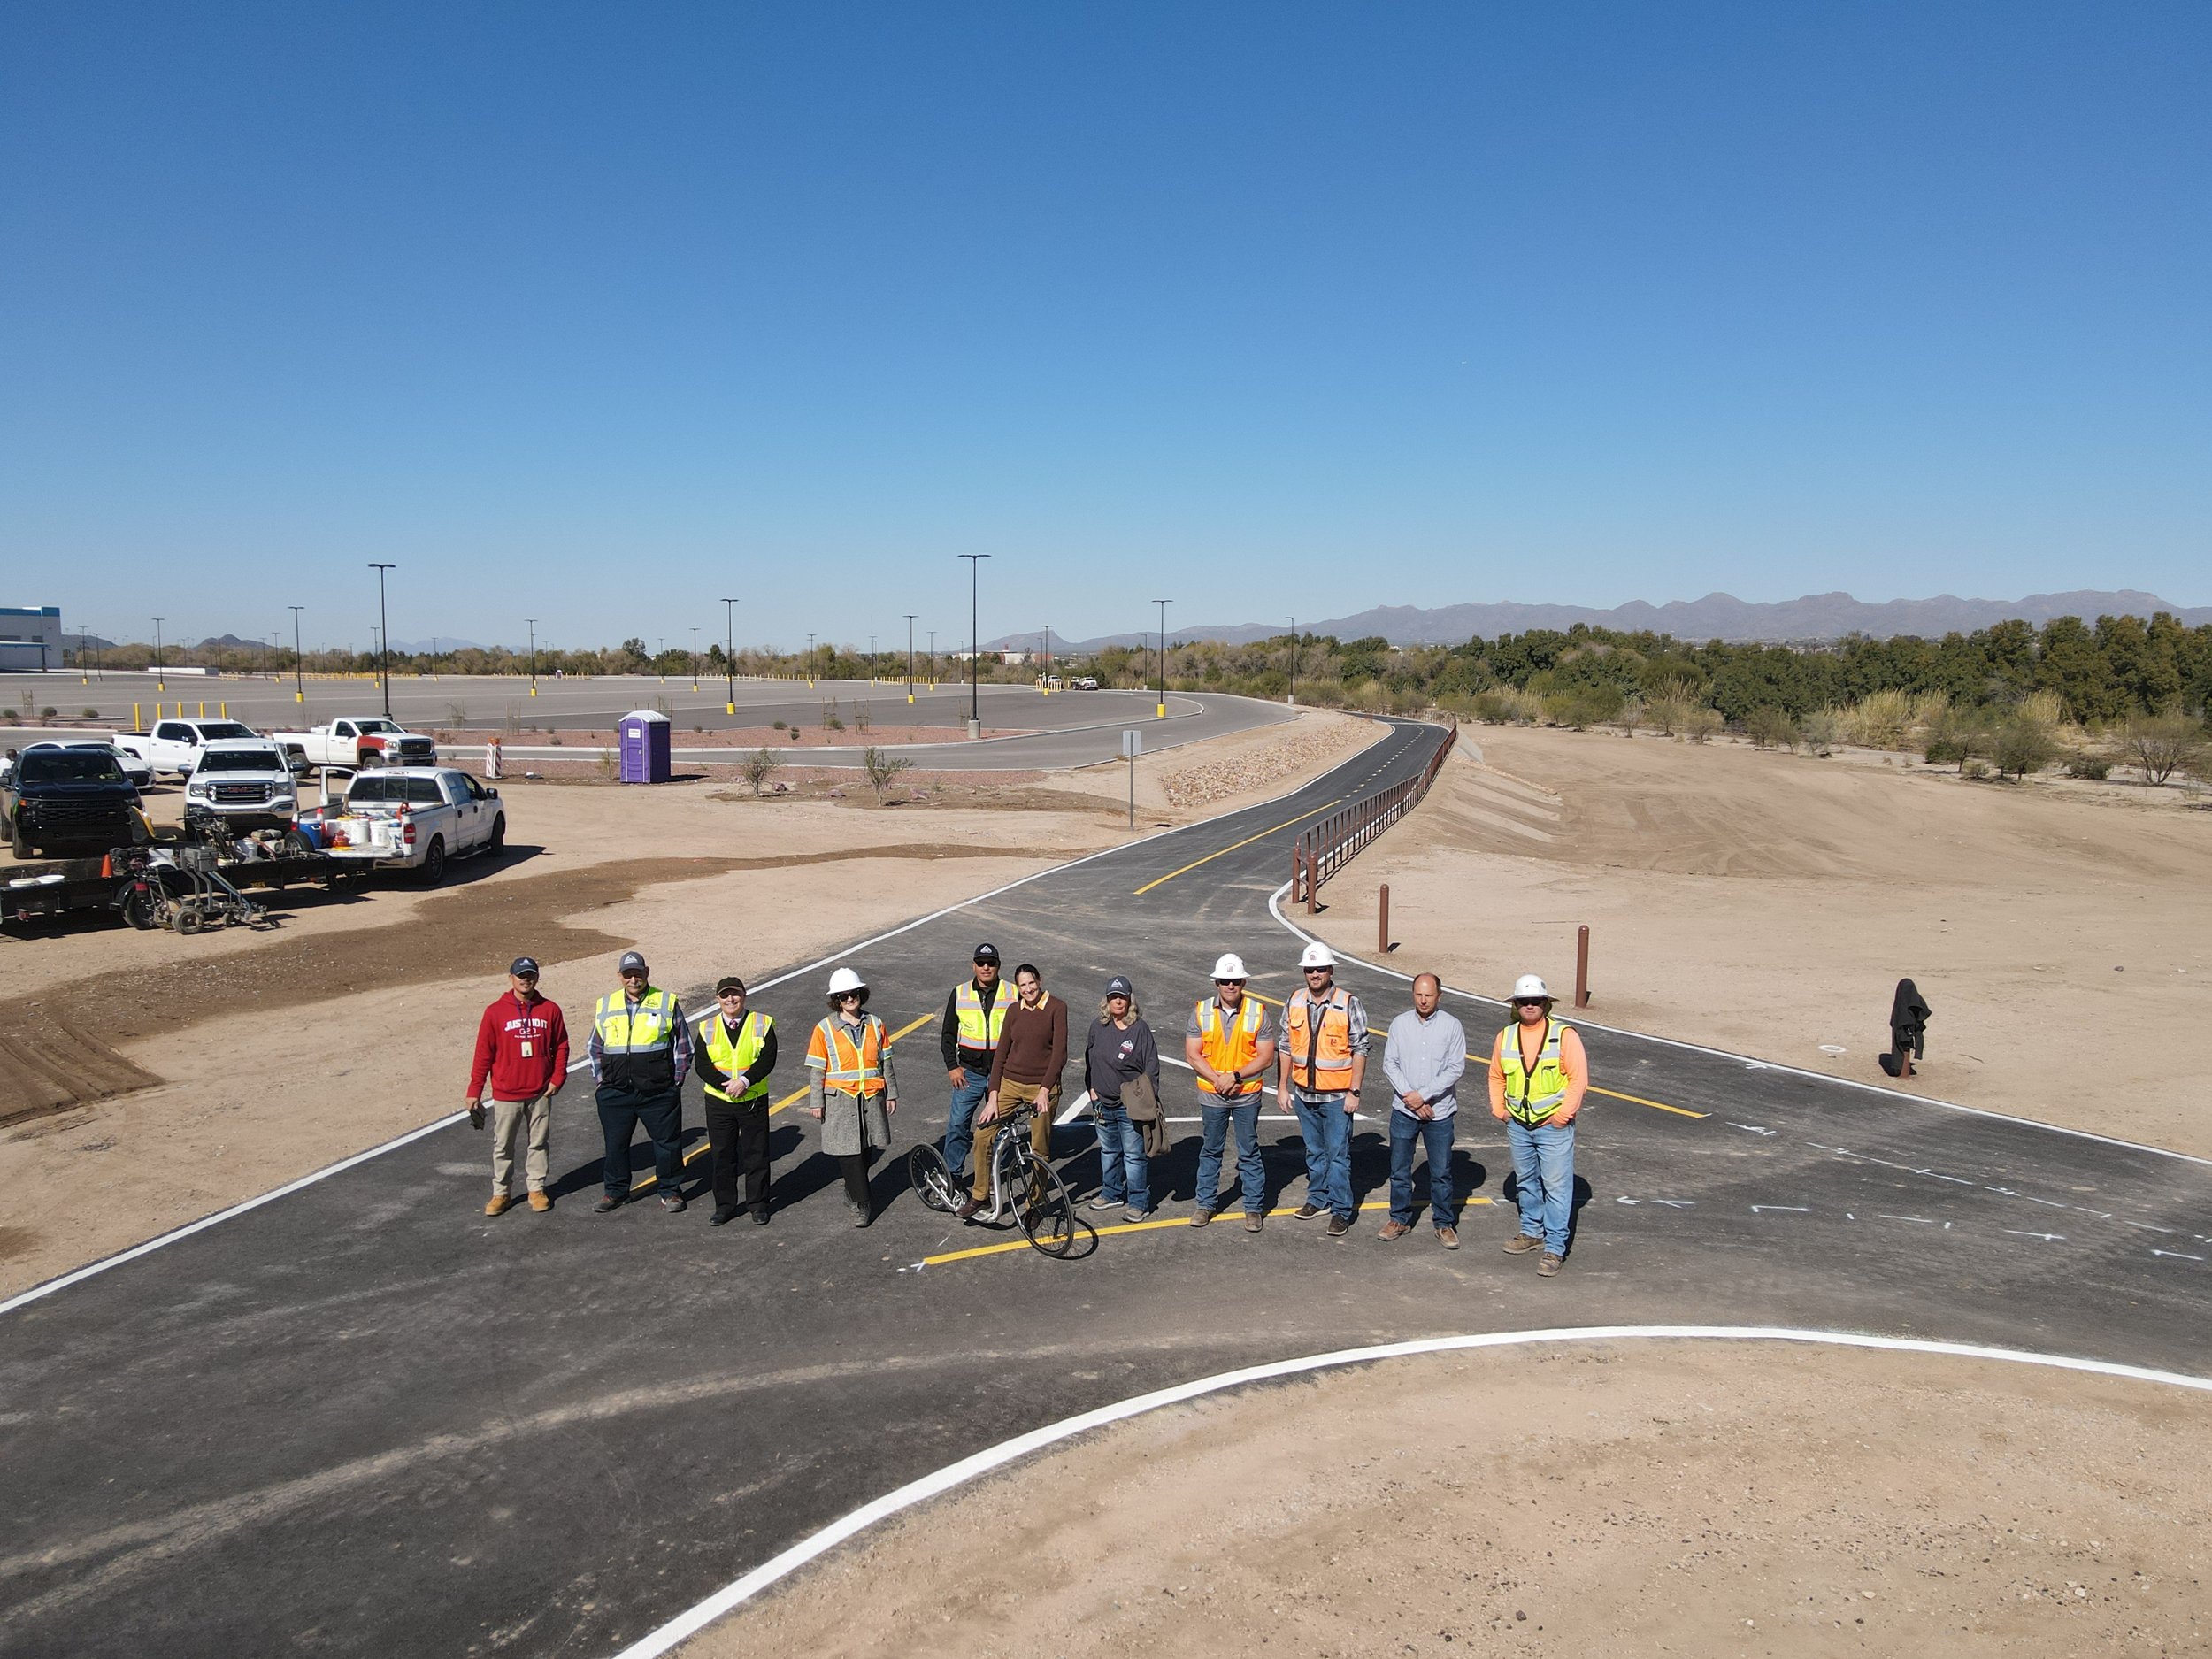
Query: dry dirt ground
[
  {"x": 148, "y": 1080},
  {"x": 1676, "y": 1498},
  {"x": 1767, "y": 903}
]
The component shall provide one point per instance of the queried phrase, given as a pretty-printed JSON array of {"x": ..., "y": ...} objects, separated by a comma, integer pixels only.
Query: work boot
[
  {"x": 1133, "y": 1215},
  {"x": 499, "y": 1204},
  {"x": 609, "y": 1201},
  {"x": 1306, "y": 1211},
  {"x": 1550, "y": 1264},
  {"x": 724, "y": 1214},
  {"x": 1253, "y": 1221},
  {"x": 538, "y": 1201},
  {"x": 760, "y": 1215},
  {"x": 1521, "y": 1244},
  {"x": 970, "y": 1207},
  {"x": 1201, "y": 1216},
  {"x": 1339, "y": 1226},
  {"x": 1392, "y": 1231},
  {"x": 672, "y": 1202},
  {"x": 1448, "y": 1237}
]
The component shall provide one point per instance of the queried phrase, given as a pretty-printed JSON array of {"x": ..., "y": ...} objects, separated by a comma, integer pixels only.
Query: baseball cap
[
  {"x": 1120, "y": 986},
  {"x": 987, "y": 953},
  {"x": 523, "y": 965},
  {"x": 728, "y": 982},
  {"x": 631, "y": 963}
]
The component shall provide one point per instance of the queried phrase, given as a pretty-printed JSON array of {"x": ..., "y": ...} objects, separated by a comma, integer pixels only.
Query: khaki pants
[
  {"x": 507, "y": 1117},
  {"x": 1010, "y": 1095}
]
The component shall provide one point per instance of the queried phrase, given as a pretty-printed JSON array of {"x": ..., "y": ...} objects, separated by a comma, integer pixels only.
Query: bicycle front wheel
[
  {"x": 933, "y": 1181},
  {"x": 1047, "y": 1213}
]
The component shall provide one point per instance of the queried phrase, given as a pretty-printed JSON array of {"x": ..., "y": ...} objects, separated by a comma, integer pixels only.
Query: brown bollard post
[
  {"x": 1382, "y": 921},
  {"x": 1582, "y": 967}
]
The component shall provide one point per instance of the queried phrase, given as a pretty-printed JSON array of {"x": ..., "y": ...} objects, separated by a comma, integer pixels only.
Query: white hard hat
[
  {"x": 1530, "y": 985},
  {"x": 1231, "y": 967},
  {"x": 1317, "y": 955},
  {"x": 845, "y": 979}
]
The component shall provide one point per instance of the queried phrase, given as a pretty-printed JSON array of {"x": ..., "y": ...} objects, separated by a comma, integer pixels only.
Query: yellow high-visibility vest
[
  {"x": 734, "y": 1056},
  {"x": 979, "y": 1030},
  {"x": 1533, "y": 1093}
]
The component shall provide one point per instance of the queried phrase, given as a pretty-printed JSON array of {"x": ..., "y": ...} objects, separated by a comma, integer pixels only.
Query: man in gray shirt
[{"x": 1423, "y": 1058}]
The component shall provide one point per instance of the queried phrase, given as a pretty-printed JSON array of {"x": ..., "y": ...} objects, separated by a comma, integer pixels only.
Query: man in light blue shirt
[{"x": 1423, "y": 1058}]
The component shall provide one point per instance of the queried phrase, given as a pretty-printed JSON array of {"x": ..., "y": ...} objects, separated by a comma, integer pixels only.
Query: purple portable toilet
[{"x": 645, "y": 747}]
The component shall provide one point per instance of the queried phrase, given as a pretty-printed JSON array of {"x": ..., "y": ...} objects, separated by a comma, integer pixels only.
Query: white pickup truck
[
  {"x": 174, "y": 746},
  {"x": 359, "y": 740},
  {"x": 410, "y": 817},
  {"x": 241, "y": 783}
]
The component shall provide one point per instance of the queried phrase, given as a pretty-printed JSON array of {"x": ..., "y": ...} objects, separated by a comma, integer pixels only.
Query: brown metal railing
[{"x": 1326, "y": 847}]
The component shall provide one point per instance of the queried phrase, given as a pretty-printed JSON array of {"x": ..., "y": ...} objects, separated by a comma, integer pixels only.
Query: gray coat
[{"x": 849, "y": 1125}]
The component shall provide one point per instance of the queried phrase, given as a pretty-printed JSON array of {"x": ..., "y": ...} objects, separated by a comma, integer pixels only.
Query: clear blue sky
[{"x": 598, "y": 314}]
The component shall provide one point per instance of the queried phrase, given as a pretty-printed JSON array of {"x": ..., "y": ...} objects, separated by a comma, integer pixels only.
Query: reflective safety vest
[
  {"x": 637, "y": 1040},
  {"x": 1320, "y": 1049},
  {"x": 845, "y": 1068},
  {"x": 734, "y": 1056},
  {"x": 1531, "y": 1094},
  {"x": 980, "y": 1030},
  {"x": 1229, "y": 1048}
]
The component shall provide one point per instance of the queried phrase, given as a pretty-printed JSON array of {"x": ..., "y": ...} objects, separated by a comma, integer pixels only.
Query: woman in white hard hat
[
  {"x": 1539, "y": 1074},
  {"x": 851, "y": 1091}
]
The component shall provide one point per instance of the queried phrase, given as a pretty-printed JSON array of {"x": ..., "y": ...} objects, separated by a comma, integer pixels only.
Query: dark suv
[{"x": 59, "y": 800}]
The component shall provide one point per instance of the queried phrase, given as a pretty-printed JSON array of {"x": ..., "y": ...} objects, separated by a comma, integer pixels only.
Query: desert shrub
[
  {"x": 1670, "y": 710},
  {"x": 2023, "y": 744},
  {"x": 91, "y": 714},
  {"x": 1701, "y": 723},
  {"x": 1584, "y": 706},
  {"x": 1771, "y": 727},
  {"x": 1633, "y": 715},
  {"x": 757, "y": 767},
  {"x": 882, "y": 769},
  {"x": 2084, "y": 764},
  {"x": 1881, "y": 719},
  {"x": 1492, "y": 708},
  {"x": 2162, "y": 744},
  {"x": 780, "y": 725},
  {"x": 1820, "y": 730},
  {"x": 456, "y": 715}
]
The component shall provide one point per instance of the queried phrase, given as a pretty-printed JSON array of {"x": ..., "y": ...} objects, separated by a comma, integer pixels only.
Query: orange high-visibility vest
[
  {"x": 847, "y": 1069},
  {"x": 1320, "y": 1049},
  {"x": 1229, "y": 1048}
]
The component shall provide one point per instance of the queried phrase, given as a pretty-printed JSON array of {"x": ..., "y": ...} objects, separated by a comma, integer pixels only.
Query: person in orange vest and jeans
[
  {"x": 1229, "y": 1046},
  {"x": 1320, "y": 1064},
  {"x": 851, "y": 1090}
]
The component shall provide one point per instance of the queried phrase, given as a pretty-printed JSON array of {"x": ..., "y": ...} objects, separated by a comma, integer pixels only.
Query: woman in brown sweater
[{"x": 1032, "y": 1051}]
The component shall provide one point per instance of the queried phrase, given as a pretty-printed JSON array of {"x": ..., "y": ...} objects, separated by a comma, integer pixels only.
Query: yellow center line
[
  {"x": 1657, "y": 1105},
  {"x": 792, "y": 1099},
  {"x": 1247, "y": 841},
  {"x": 1126, "y": 1226}
]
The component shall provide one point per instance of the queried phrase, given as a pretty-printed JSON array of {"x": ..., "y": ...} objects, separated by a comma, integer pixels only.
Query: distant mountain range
[{"x": 1813, "y": 619}]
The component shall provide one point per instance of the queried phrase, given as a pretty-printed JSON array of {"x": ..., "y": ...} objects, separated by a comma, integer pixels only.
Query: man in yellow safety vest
[
  {"x": 641, "y": 1052},
  {"x": 1539, "y": 1074},
  {"x": 735, "y": 1051},
  {"x": 1229, "y": 1046},
  {"x": 974, "y": 1022}
]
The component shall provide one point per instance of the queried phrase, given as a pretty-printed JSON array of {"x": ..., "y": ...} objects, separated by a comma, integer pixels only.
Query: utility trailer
[{"x": 184, "y": 885}]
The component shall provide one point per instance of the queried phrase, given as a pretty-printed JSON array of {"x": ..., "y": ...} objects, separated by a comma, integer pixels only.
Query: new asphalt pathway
[{"x": 364, "y": 1419}]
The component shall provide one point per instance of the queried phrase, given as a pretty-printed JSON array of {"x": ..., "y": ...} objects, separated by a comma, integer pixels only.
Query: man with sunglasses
[
  {"x": 1320, "y": 1064},
  {"x": 522, "y": 1052},
  {"x": 1229, "y": 1046},
  {"x": 735, "y": 1051},
  {"x": 1539, "y": 1074}
]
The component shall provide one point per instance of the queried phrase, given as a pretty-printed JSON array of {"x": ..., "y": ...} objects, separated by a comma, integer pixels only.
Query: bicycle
[{"x": 1022, "y": 1183}]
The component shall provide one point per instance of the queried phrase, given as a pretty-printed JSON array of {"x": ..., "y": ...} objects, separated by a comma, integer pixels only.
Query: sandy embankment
[
  {"x": 242, "y": 1060},
  {"x": 1700, "y": 1499},
  {"x": 1767, "y": 903}
]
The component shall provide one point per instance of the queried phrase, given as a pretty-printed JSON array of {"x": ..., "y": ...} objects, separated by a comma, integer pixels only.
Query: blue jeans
[
  {"x": 1327, "y": 1129},
  {"x": 1407, "y": 1132},
  {"x": 1544, "y": 1171},
  {"x": 620, "y": 1112},
  {"x": 1213, "y": 1138},
  {"x": 960, "y": 1120},
  {"x": 1125, "y": 1174}
]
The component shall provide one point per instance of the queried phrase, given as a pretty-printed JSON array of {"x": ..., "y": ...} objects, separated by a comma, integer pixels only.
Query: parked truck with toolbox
[
  {"x": 240, "y": 784},
  {"x": 360, "y": 740},
  {"x": 174, "y": 746},
  {"x": 408, "y": 818}
]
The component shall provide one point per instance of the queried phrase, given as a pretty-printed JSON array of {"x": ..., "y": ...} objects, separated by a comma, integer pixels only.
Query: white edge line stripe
[
  {"x": 1274, "y": 908},
  {"x": 983, "y": 1462},
  {"x": 77, "y": 1276}
]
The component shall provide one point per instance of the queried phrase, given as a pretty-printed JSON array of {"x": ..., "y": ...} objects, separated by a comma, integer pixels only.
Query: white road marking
[
  {"x": 818, "y": 1544},
  {"x": 2048, "y": 1238},
  {"x": 1749, "y": 1128},
  {"x": 1924, "y": 1221},
  {"x": 2179, "y": 1254},
  {"x": 1800, "y": 1209}
]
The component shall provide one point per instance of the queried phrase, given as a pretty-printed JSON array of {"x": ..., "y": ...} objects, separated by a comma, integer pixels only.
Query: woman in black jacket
[{"x": 1120, "y": 1047}]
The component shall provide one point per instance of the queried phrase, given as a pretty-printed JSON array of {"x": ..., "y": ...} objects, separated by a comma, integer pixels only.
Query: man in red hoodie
[{"x": 522, "y": 1050}]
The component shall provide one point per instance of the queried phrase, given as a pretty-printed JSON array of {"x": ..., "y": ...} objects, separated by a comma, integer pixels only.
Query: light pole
[
  {"x": 299, "y": 684},
  {"x": 1293, "y": 698},
  {"x": 160, "y": 683},
  {"x": 872, "y": 659},
  {"x": 1160, "y": 713},
  {"x": 534, "y": 655},
  {"x": 1044, "y": 660},
  {"x": 694, "y": 659},
  {"x": 975, "y": 647},
  {"x": 729, "y": 656},
  {"x": 383, "y": 635},
  {"x": 909, "y": 655},
  {"x": 810, "y": 661},
  {"x": 933, "y": 660},
  {"x": 660, "y": 649}
]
